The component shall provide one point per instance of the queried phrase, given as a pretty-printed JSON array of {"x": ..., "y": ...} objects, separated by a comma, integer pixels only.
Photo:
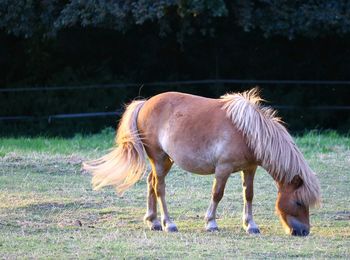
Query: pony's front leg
[
  {"x": 151, "y": 215},
  {"x": 248, "y": 193},
  {"x": 217, "y": 194}
]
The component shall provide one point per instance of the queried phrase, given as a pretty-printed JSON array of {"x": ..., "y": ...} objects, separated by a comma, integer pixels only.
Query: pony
[{"x": 234, "y": 133}]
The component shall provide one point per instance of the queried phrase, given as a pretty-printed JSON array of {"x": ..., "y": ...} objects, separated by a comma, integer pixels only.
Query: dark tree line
[
  {"x": 56, "y": 42},
  {"x": 290, "y": 18}
]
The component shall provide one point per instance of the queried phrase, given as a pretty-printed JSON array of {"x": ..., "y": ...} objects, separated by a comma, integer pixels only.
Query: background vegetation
[{"x": 60, "y": 43}]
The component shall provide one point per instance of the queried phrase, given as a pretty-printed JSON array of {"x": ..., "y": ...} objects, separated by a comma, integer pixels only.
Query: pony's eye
[{"x": 299, "y": 204}]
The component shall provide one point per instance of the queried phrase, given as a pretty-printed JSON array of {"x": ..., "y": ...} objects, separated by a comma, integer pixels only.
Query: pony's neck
[{"x": 270, "y": 141}]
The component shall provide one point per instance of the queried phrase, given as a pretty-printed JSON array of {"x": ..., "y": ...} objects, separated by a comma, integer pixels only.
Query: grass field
[{"x": 48, "y": 210}]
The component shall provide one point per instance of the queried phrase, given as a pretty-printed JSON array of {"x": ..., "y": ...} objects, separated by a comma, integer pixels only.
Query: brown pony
[{"x": 209, "y": 136}]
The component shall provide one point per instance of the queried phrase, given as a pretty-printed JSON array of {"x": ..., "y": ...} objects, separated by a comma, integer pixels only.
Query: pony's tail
[{"x": 126, "y": 163}]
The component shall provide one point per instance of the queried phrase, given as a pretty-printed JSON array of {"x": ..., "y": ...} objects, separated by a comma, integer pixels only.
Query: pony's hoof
[
  {"x": 212, "y": 229},
  {"x": 253, "y": 231},
  {"x": 211, "y": 226},
  {"x": 171, "y": 228},
  {"x": 156, "y": 227}
]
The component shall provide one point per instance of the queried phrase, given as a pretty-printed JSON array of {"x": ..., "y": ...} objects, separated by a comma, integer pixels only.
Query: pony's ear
[{"x": 297, "y": 181}]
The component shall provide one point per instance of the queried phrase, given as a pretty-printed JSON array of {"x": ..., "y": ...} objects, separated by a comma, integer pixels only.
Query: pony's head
[{"x": 292, "y": 206}]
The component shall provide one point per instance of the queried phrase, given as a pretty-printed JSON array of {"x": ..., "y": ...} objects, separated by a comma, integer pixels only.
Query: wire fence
[
  {"x": 179, "y": 83},
  {"x": 50, "y": 118}
]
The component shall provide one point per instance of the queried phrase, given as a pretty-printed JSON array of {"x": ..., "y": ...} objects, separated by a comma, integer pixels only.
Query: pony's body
[{"x": 209, "y": 136}]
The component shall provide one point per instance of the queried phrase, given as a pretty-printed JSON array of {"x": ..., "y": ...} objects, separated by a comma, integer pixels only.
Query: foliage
[
  {"x": 29, "y": 18},
  {"x": 60, "y": 42},
  {"x": 288, "y": 18},
  {"x": 292, "y": 18}
]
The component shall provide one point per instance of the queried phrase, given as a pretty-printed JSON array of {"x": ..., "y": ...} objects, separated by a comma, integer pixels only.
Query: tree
[
  {"x": 295, "y": 18},
  {"x": 27, "y": 18},
  {"x": 288, "y": 18}
]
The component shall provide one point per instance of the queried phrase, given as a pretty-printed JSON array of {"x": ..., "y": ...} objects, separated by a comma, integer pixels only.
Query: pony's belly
[
  {"x": 205, "y": 168},
  {"x": 193, "y": 160},
  {"x": 204, "y": 155},
  {"x": 206, "y": 160},
  {"x": 192, "y": 166}
]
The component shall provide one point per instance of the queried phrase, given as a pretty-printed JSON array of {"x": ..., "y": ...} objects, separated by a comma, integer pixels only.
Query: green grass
[{"x": 48, "y": 210}]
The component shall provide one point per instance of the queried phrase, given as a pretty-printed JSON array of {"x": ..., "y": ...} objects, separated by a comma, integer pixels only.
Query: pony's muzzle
[
  {"x": 300, "y": 232},
  {"x": 297, "y": 228}
]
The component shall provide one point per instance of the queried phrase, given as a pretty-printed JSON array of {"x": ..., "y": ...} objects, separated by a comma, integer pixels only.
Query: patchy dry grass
[{"x": 48, "y": 210}]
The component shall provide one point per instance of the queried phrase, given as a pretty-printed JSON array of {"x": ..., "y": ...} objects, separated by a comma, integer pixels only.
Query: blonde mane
[{"x": 271, "y": 143}]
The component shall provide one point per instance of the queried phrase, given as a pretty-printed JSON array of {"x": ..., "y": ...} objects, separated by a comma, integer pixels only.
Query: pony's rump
[
  {"x": 271, "y": 143},
  {"x": 126, "y": 163}
]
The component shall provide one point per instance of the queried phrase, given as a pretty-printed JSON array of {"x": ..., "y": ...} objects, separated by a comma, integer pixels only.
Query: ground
[{"x": 48, "y": 209}]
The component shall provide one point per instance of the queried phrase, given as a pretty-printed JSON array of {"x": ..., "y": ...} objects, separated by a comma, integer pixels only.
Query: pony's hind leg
[
  {"x": 160, "y": 169},
  {"x": 151, "y": 215},
  {"x": 221, "y": 176},
  {"x": 248, "y": 192}
]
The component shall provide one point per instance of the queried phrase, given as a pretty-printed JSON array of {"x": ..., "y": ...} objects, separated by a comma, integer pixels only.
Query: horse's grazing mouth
[
  {"x": 297, "y": 228},
  {"x": 214, "y": 135}
]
